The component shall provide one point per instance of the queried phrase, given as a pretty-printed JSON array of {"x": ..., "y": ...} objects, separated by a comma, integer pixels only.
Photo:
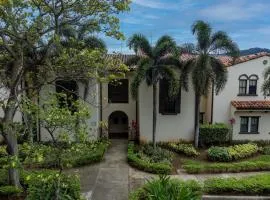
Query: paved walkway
[
  {"x": 113, "y": 179},
  {"x": 107, "y": 180}
]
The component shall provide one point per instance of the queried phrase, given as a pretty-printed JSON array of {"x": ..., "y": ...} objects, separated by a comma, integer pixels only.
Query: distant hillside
[{"x": 253, "y": 51}]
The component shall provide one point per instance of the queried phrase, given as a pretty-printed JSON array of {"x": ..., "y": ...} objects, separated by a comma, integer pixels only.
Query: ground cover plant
[
  {"x": 166, "y": 188},
  {"x": 150, "y": 159},
  {"x": 182, "y": 148}
]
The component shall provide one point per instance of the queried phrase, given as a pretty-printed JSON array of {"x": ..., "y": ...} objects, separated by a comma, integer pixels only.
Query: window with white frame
[
  {"x": 243, "y": 79},
  {"x": 249, "y": 124},
  {"x": 252, "y": 89}
]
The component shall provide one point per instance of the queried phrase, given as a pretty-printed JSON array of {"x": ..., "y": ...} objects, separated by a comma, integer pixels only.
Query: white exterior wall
[
  {"x": 222, "y": 102},
  {"x": 169, "y": 127},
  {"x": 92, "y": 101},
  {"x": 128, "y": 108}
]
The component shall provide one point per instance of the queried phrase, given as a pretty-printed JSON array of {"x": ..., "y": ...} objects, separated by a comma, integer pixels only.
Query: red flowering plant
[
  {"x": 232, "y": 121},
  {"x": 134, "y": 130}
]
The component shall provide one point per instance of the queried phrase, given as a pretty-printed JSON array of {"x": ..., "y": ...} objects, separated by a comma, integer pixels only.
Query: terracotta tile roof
[
  {"x": 251, "y": 105},
  {"x": 228, "y": 61}
]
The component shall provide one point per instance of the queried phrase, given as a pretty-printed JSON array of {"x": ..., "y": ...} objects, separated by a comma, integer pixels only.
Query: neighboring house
[{"x": 242, "y": 103}]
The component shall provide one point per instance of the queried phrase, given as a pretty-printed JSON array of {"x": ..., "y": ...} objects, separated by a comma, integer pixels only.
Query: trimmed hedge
[
  {"x": 211, "y": 134},
  {"x": 181, "y": 148},
  {"x": 135, "y": 161},
  {"x": 252, "y": 185},
  {"x": 261, "y": 163},
  {"x": 232, "y": 153},
  {"x": 77, "y": 154},
  {"x": 266, "y": 150}
]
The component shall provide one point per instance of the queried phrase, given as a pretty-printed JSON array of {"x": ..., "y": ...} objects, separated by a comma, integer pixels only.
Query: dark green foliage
[
  {"x": 154, "y": 154},
  {"x": 9, "y": 190},
  {"x": 266, "y": 150},
  {"x": 219, "y": 154},
  {"x": 45, "y": 186},
  {"x": 261, "y": 163},
  {"x": 258, "y": 142},
  {"x": 74, "y": 155},
  {"x": 166, "y": 188},
  {"x": 253, "y": 185},
  {"x": 138, "y": 159},
  {"x": 181, "y": 148},
  {"x": 211, "y": 134},
  {"x": 232, "y": 153}
]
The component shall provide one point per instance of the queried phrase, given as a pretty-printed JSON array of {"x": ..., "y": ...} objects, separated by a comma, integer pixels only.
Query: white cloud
[
  {"x": 234, "y": 10},
  {"x": 156, "y": 4}
]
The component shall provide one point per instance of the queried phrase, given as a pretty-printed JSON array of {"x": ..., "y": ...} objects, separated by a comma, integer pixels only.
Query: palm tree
[
  {"x": 152, "y": 66},
  {"x": 205, "y": 68},
  {"x": 266, "y": 83}
]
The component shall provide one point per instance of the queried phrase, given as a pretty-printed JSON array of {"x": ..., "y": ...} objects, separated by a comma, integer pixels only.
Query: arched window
[
  {"x": 243, "y": 79},
  {"x": 252, "y": 88}
]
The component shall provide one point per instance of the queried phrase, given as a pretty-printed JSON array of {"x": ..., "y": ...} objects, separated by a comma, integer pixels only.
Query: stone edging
[{"x": 220, "y": 197}]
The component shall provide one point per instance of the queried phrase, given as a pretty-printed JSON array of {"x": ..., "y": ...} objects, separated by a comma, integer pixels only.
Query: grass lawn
[{"x": 259, "y": 163}]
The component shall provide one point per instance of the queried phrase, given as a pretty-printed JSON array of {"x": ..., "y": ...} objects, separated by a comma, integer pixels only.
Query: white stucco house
[{"x": 242, "y": 103}]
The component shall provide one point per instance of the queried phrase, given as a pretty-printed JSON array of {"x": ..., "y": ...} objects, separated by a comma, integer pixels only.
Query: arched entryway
[{"x": 118, "y": 125}]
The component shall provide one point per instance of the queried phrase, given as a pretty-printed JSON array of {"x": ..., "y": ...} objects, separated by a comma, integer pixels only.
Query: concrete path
[
  {"x": 107, "y": 180},
  {"x": 113, "y": 178}
]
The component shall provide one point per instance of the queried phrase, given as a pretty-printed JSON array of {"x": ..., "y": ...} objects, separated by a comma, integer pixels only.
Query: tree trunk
[
  {"x": 154, "y": 113},
  {"x": 197, "y": 120},
  {"x": 11, "y": 140}
]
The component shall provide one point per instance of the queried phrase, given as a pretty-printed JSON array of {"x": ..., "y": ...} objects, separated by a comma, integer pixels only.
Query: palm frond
[
  {"x": 140, "y": 44},
  {"x": 266, "y": 83},
  {"x": 169, "y": 73},
  {"x": 220, "y": 74},
  {"x": 203, "y": 32},
  {"x": 141, "y": 74},
  {"x": 186, "y": 68},
  {"x": 188, "y": 48},
  {"x": 170, "y": 60},
  {"x": 220, "y": 41},
  {"x": 202, "y": 75}
]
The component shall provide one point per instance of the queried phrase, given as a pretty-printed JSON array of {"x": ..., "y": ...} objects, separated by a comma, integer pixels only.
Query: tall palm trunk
[
  {"x": 197, "y": 119},
  {"x": 11, "y": 140},
  {"x": 154, "y": 113}
]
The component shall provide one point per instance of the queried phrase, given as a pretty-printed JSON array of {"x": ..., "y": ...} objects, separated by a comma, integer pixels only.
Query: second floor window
[
  {"x": 118, "y": 91},
  {"x": 168, "y": 105},
  {"x": 248, "y": 85}
]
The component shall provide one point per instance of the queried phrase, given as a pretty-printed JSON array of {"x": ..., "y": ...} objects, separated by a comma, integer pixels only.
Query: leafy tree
[
  {"x": 152, "y": 67},
  {"x": 205, "y": 68},
  {"x": 30, "y": 45}
]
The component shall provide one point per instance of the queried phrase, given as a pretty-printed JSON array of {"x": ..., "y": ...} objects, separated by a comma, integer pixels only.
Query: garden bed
[
  {"x": 259, "y": 163},
  {"x": 173, "y": 189},
  {"x": 145, "y": 158}
]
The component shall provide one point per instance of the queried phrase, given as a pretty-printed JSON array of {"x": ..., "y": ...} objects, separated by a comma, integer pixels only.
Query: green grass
[
  {"x": 252, "y": 185},
  {"x": 260, "y": 163}
]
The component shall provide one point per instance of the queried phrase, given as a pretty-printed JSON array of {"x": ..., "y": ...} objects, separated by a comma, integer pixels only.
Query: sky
[{"x": 246, "y": 21}]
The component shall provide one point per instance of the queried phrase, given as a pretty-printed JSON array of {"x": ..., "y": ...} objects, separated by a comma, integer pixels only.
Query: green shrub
[
  {"x": 74, "y": 155},
  {"x": 3, "y": 150},
  {"x": 141, "y": 161},
  {"x": 167, "y": 188},
  {"x": 253, "y": 185},
  {"x": 261, "y": 163},
  {"x": 242, "y": 150},
  {"x": 219, "y": 154},
  {"x": 232, "y": 153},
  {"x": 45, "y": 186},
  {"x": 181, "y": 148},
  {"x": 211, "y": 134},
  {"x": 154, "y": 154},
  {"x": 9, "y": 190},
  {"x": 266, "y": 150}
]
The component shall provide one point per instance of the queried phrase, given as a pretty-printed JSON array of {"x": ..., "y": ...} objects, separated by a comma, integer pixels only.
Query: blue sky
[{"x": 246, "y": 21}]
